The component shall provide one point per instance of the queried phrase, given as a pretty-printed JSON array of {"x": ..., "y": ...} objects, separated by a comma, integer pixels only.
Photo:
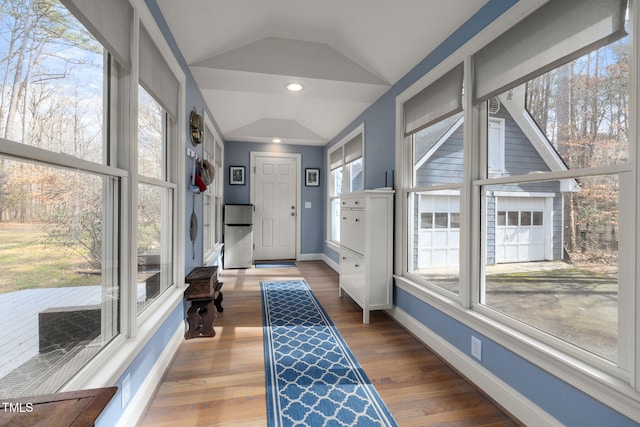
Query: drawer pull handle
[
  {"x": 357, "y": 265},
  {"x": 344, "y": 218},
  {"x": 357, "y": 219},
  {"x": 344, "y": 257},
  {"x": 357, "y": 202}
]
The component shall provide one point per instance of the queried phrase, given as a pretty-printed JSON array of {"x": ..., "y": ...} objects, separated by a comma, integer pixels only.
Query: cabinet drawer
[
  {"x": 352, "y": 227},
  {"x": 352, "y": 202},
  {"x": 352, "y": 274}
]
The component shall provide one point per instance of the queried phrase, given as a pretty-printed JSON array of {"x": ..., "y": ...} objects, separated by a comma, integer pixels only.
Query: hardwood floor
[{"x": 220, "y": 381}]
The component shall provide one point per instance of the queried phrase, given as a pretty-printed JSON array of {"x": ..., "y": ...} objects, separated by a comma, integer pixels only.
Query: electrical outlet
[
  {"x": 126, "y": 390},
  {"x": 476, "y": 348}
]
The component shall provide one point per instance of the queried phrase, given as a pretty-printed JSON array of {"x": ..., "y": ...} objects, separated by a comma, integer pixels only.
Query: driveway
[
  {"x": 574, "y": 304},
  {"x": 578, "y": 305}
]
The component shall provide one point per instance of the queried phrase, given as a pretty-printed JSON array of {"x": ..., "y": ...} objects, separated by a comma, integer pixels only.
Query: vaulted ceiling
[{"x": 345, "y": 54}]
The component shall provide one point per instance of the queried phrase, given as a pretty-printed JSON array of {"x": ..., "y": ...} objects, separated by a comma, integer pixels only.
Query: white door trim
[{"x": 297, "y": 157}]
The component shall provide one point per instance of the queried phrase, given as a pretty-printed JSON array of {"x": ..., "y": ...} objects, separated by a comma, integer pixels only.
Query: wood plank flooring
[{"x": 220, "y": 381}]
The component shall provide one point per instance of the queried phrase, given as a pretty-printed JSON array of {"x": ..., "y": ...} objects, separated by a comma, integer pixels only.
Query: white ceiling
[{"x": 346, "y": 53}]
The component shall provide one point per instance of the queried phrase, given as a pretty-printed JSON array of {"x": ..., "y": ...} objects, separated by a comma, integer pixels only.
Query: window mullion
[{"x": 469, "y": 202}]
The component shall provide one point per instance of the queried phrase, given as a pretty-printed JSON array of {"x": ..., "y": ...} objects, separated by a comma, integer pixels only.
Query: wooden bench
[{"x": 204, "y": 292}]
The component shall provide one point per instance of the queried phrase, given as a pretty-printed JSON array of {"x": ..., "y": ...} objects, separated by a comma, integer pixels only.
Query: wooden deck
[
  {"x": 19, "y": 340},
  {"x": 220, "y": 381},
  {"x": 19, "y": 344}
]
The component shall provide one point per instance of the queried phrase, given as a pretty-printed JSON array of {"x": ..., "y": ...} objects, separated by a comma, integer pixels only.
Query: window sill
[
  {"x": 333, "y": 245},
  {"x": 211, "y": 256},
  {"x": 603, "y": 386},
  {"x": 116, "y": 357}
]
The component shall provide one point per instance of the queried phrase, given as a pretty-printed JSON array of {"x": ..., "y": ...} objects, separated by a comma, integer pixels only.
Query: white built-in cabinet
[{"x": 366, "y": 239}]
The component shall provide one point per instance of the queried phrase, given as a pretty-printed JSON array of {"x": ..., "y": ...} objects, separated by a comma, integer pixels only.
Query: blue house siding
[{"x": 446, "y": 165}]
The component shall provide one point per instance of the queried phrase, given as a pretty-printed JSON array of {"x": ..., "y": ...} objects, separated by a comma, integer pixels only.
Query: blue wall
[
  {"x": 567, "y": 404},
  {"x": 239, "y": 154}
]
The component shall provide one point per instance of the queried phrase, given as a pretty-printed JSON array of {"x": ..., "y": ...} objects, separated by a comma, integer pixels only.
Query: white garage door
[
  {"x": 520, "y": 229},
  {"x": 439, "y": 231}
]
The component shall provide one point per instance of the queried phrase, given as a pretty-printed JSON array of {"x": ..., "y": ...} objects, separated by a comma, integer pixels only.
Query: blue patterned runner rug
[{"x": 313, "y": 379}]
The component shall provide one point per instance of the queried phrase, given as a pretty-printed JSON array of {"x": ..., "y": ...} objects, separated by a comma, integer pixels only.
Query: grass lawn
[{"x": 29, "y": 261}]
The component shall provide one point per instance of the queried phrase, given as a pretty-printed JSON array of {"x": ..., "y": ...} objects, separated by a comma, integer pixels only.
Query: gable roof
[{"x": 426, "y": 140}]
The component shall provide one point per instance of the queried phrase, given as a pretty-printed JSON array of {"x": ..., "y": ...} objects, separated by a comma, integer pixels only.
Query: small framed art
[
  {"x": 236, "y": 175},
  {"x": 312, "y": 177}
]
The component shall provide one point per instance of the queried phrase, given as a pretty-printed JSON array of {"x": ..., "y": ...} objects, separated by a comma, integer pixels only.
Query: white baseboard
[
  {"x": 309, "y": 257},
  {"x": 137, "y": 407},
  {"x": 331, "y": 263},
  {"x": 510, "y": 399}
]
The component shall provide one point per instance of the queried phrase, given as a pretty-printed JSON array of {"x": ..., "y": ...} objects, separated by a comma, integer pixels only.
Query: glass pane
[
  {"x": 151, "y": 137},
  {"x": 495, "y": 138},
  {"x": 59, "y": 290},
  {"x": 155, "y": 274},
  {"x": 563, "y": 284},
  {"x": 356, "y": 182},
  {"x": 426, "y": 220},
  {"x": 52, "y": 73},
  {"x": 537, "y": 218},
  {"x": 434, "y": 243},
  {"x": 582, "y": 107},
  {"x": 336, "y": 179},
  {"x": 335, "y": 220},
  {"x": 455, "y": 220},
  {"x": 441, "y": 220},
  {"x": 525, "y": 218},
  {"x": 437, "y": 153}
]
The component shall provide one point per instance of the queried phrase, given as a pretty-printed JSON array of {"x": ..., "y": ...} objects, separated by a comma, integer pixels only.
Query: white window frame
[
  {"x": 211, "y": 245},
  {"x": 333, "y": 244},
  {"x": 135, "y": 331},
  {"x": 618, "y": 388}
]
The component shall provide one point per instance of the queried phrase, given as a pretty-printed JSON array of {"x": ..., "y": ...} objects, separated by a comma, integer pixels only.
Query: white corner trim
[
  {"x": 510, "y": 399},
  {"x": 137, "y": 406},
  {"x": 331, "y": 263}
]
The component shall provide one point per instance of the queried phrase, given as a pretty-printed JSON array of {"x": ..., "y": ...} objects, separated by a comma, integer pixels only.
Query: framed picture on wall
[
  {"x": 236, "y": 175},
  {"x": 312, "y": 177}
]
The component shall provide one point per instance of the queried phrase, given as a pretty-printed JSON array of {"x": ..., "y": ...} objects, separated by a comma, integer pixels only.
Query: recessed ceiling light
[
  {"x": 294, "y": 87},
  {"x": 277, "y": 140}
]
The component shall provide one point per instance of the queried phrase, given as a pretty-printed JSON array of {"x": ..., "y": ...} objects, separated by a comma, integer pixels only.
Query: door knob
[
  {"x": 293, "y": 207},
  {"x": 293, "y": 214}
]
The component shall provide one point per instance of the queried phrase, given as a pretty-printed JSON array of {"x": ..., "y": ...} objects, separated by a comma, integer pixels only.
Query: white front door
[{"x": 274, "y": 193}]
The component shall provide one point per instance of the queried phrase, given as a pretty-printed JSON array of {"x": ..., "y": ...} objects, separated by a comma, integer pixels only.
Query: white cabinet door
[{"x": 353, "y": 229}]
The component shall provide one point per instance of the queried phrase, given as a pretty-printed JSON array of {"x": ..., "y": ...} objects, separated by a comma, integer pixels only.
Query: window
[
  {"x": 80, "y": 191},
  {"x": 436, "y": 147},
  {"x": 496, "y": 148},
  {"x": 155, "y": 202},
  {"x": 58, "y": 214},
  {"x": 156, "y": 187},
  {"x": 580, "y": 238},
  {"x": 346, "y": 175},
  {"x": 542, "y": 189},
  {"x": 212, "y": 198}
]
